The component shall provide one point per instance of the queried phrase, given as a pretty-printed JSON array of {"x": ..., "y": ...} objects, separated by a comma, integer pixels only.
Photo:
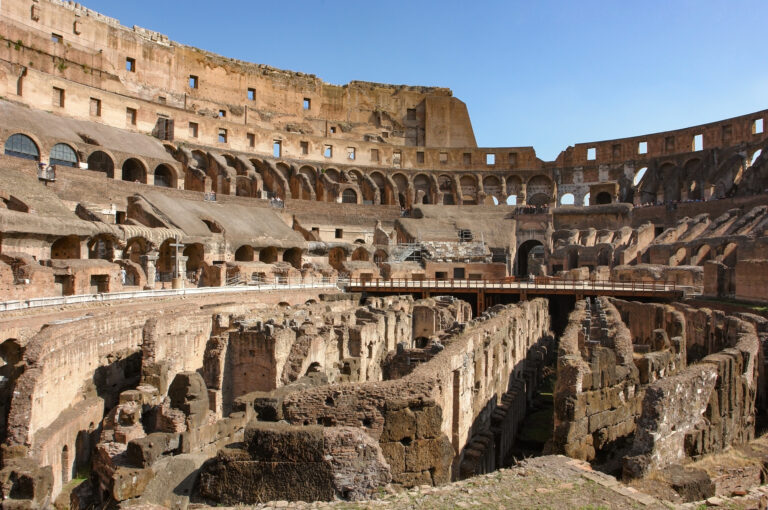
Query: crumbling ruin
[{"x": 239, "y": 273}]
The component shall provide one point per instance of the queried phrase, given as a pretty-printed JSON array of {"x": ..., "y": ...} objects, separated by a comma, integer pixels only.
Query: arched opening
[
  {"x": 66, "y": 470},
  {"x": 728, "y": 256},
  {"x": 134, "y": 171},
  {"x": 703, "y": 254},
  {"x": 603, "y": 198},
  {"x": 361, "y": 254},
  {"x": 445, "y": 186},
  {"x": 349, "y": 196},
  {"x": 492, "y": 187},
  {"x": 523, "y": 253},
  {"x": 586, "y": 199},
  {"x": 66, "y": 248},
  {"x": 22, "y": 146},
  {"x": 332, "y": 174},
  {"x": 421, "y": 183},
  {"x": 336, "y": 258},
  {"x": 195, "y": 254},
  {"x": 639, "y": 176},
  {"x": 572, "y": 259},
  {"x": 401, "y": 199},
  {"x": 380, "y": 256},
  {"x": 293, "y": 257},
  {"x": 213, "y": 226},
  {"x": 540, "y": 190},
  {"x": 495, "y": 200},
  {"x": 567, "y": 199},
  {"x": 101, "y": 247},
  {"x": 100, "y": 161},
  {"x": 63, "y": 155},
  {"x": 244, "y": 254},
  {"x": 166, "y": 259},
  {"x": 135, "y": 248},
  {"x": 468, "y": 184},
  {"x": 754, "y": 157},
  {"x": 165, "y": 177},
  {"x": 268, "y": 255},
  {"x": 512, "y": 200}
]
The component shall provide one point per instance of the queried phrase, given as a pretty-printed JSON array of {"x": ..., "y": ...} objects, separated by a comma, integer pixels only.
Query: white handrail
[{"x": 22, "y": 304}]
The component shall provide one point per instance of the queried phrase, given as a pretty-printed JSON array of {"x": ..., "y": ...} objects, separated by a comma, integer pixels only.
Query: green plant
[
  {"x": 18, "y": 45},
  {"x": 61, "y": 65}
]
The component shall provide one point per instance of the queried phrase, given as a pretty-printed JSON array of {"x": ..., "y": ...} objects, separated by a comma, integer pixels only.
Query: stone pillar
[
  {"x": 521, "y": 194},
  {"x": 148, "y": 262},
  {"x": 182, "y": 265}
]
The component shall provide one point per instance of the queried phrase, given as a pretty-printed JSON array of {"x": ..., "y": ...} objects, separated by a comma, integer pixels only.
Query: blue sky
[{"x": 542, "y": 73}]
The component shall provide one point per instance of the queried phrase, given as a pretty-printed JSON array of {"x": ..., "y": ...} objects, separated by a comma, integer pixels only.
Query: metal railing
[
  {"x": 22, "y": 304},
  {"x": 539, "y": 283}
]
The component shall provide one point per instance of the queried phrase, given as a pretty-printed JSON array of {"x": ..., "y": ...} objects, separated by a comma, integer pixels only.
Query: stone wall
[{"x": 425, "y": 421}]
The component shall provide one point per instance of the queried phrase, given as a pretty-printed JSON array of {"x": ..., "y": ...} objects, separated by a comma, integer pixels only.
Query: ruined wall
[
  {"x": 707, "y": 406},
  {"x": 425, "y": 420},
  {"x": 601, "y": 375}
]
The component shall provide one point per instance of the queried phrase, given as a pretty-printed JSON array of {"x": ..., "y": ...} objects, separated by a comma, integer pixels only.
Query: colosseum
[{"x": 226, "y": 284}]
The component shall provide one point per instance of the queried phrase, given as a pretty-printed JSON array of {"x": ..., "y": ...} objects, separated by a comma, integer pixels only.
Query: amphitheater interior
[{"x": 224, "y": 283}]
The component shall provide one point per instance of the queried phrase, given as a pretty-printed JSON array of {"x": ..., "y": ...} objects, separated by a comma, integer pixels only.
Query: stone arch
[
  {"x": 166, "y": 256},
  {"x": 380, "y": 256},
  {"x": 603, "y": 198},
  {"x": 20, "y": 145},
  {"x": 468, "y": 186},
  {"x": 522, "y": 255},
  {"x": 100, "y": 161},
  {"x": 422, "y": 183},
  {"x": 102, "y": 246},
  {"x": 293, "y": 257},
  {"x": 349, "y": 196},
  {"x": 639, "y": 175},
  {"x": 63, "y": 154},
  {"x": 134, "y": 171},
  {"x": 567, "y": 199},
  {"x": 165, "y": 176},
  {"x": 195, "y": 254},
  {"x": 268, "y": 255},
  {"x": 361, "y": 254},
  {"x": 67, "y": 247},
  {"x": 492, "y": 187},
  {"x": 756, "y": 154},
  {"x": 447, "y": 186},
  {"x": 244, "y": 254},
  {"x": 135, "y": 247},
  {"x": 540, "y": 190},
  {"x": 729, "y": 254},
  {"x": 332, "y": 174},
  {"x": 703, "y": 253}
]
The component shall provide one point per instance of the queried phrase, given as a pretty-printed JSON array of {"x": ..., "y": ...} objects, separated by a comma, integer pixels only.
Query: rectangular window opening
[
  {"x": 339, "y": 233},
  {"x": 192, "y": 81},
  {"x": 307, "y": 104},
  {"x": 251, "y": 139},
  {"x": 698, "y": 142},
  {"x": 304, "y": 147},
  {"x": 420, "y": 157},
  {"x": 251, "y": 94},
  {"x": 130, "y": 116},
  {"x": 57, "y": 38},
  {"x": 591, "y": 153},
  {"x": 130, "y": 64},
  {"x": 277, "y": 148},
  {"x": 161, "y": 99},
  {"x": 351, "y": 153},
  {"x": 411, "y": 114},
  {"x": 193, "y": 129},
  {"x": 642, "y": 148},
  {"x": 333, "y": 129},
  {"x": 467, "y": 158},
  {"x": 328, "y": 151},
  {"x": 396, "y": 157},
  {"x": 443, "y": 158},
  {"x": 375, "y": 155},
  {"x": 222, "y": 136},
  {"x": 757, "y": 126},
  {"x": 490, "y": 159},
  {"x": 222, "y": 114},
  {"x": 95, "y": 107},
  {"x": 58, "y": 97}
]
